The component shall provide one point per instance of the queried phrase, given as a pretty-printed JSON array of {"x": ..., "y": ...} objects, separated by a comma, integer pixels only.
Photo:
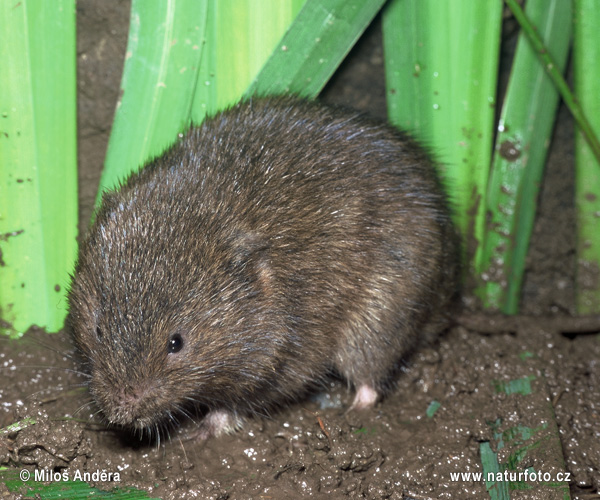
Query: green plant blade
[
  {"x": 184, "y": 58},
  {"x": 38, "y": 166},
  {"x": 313, "y": 47},
  {"x": 236, "y": 38},
  {"x": 441, "y": 63},
  {"x": 240, "y": 37},
  {"x": 498, "y": 490},
  {"x": 561, "y": 84},
  {"x": 530, "y": 437},
  {"x": 73, "y": 488},
  {"x": 161, "y": 68},
  {"x": 523, "y": 137},
  {"x": 586, "y": 65}
]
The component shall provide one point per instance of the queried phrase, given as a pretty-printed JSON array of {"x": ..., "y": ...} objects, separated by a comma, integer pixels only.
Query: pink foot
[
  {"x": 215, "y": 423},
  {"x": 365, "y": 397}
]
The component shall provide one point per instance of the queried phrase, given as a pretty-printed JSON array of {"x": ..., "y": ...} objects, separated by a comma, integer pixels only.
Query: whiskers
[{"x": 89, "y": 405}]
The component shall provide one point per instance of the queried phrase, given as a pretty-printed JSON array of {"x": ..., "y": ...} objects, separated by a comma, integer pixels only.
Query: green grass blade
[
  {"x": 184, "y": 58},
  {"x": 72, "y": 487},
  {"x": 561, "y": 84},
  {"x": 314, "y": 46},
  {"x": 161, "y": 68},
  {"x": 498, "y": 490},
  {"x": 586, "y": 65},
  {"x": 38, "y": 183},
  {"x": 523, "y": 137},
  {"x": 528, "y": 437},
  {"x": 240, "y": 36},
  {"x": 236, "y": 37},
  {"x": 441, "y": 63}
]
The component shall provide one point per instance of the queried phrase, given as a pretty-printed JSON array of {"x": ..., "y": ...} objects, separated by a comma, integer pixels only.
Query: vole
[{"x": 278, "y": 241}]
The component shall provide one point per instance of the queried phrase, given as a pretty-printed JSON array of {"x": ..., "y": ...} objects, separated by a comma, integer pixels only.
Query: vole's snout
[{"x": 132, "y": 405}]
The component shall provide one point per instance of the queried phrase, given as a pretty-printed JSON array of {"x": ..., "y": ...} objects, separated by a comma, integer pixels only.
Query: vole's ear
[{"x": 251, "y": 257}]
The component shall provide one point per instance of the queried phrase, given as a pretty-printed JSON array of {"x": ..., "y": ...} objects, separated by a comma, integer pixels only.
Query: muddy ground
[{"x": 529, "y": 391}]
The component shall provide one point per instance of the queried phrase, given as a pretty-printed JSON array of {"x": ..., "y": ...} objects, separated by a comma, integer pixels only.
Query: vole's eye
[
  {"x": 175, "y": 343},
  {"x": 98, "y": 333}
]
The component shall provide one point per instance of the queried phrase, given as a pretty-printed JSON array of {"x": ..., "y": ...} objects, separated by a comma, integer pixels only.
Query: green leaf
[
  {"x": 38, "y": 161},
  {"x": 69, "y": 486},
  {"x": 314, "y": 46},
  {"x": 529, "y": 435},
  {"x": 186, "y": 58},
  {"x": 161, "y": 68},
  {"x": 498, "y": 490},
  {"x": 516, "y": 386},
  {"x": 164, "y": 90},
  {"x": 17, "y": 426},
  {"x": 432, "y": 408},
  {"x": 441, "y": 63},
  {"x": 586, "y": 66},
  {"x": 240, "y": 37},
  {"x": 523, "y": 137}
]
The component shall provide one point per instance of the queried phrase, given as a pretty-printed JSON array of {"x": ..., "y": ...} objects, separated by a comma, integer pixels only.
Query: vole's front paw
[{"x": 215, "y": 423}]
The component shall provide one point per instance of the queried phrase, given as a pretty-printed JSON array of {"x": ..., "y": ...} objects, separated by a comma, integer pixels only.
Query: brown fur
[{"x": 280, "y": 239}]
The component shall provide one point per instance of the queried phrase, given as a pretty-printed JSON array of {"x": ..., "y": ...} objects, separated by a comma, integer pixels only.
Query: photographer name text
[{"x": 98, "y": 476}]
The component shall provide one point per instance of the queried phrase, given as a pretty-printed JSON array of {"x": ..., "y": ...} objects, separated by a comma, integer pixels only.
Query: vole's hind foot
[{"x": 365, "y": 397}]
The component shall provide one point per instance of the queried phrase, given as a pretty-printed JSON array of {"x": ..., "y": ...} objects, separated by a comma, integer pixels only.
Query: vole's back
[{"x": 277, "y": 240}]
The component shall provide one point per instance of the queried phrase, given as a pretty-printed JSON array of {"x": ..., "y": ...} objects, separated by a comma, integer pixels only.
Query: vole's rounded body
[{"x": 277, "y": 241}]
